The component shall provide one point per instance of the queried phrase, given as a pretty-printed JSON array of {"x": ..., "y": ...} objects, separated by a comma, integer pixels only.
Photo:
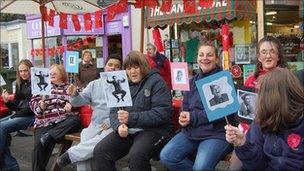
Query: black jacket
[
  {"x": 20, "y": 104},
  {"x": 152, "y": 106}
]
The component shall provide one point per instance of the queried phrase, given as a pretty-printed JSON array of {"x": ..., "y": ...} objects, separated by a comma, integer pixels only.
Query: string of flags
[{"x": 121, "y": 6}]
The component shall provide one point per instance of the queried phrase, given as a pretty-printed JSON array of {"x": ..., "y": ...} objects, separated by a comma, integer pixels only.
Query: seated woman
[
  {"x": 275, "y": 139},
  {"x": 198, "y": 135},
  {"x": 139, "y": 127},
  {"x": 22, "y": 116},
  {"x": 54, "y": 117}
]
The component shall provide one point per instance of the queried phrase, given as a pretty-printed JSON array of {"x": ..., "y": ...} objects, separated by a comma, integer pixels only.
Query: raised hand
[
  {"x": 235, "y": 136},
  {"x": 68, "y": 107},
  {"x": 71, "y": 90},
  {"x": 5, "y": 95},
  {"x": 184, "y": 118},
  {"x": 123, "y": 116}
]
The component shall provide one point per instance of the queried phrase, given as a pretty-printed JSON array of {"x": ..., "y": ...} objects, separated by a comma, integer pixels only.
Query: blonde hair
[
  {"x": 280, "y": 101},
  {"x": 63, "y": 73}
]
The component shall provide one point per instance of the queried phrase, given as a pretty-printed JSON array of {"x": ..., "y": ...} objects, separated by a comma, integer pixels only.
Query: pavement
[{"x": 22, "y": 147}]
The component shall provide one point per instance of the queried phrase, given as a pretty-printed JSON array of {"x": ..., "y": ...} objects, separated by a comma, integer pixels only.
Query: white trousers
[{"x": 82, "y": 153}]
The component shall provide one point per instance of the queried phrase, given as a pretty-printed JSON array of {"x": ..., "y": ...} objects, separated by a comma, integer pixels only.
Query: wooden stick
[{"x": 227, "y": 122}]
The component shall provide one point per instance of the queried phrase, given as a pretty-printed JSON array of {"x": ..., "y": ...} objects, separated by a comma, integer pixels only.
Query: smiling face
[
  {"x": 268, "y": 56},
  {"x": 134, "y": 73},
  {"x": 87, "y": 57},
  {"x": 55, "y": 76},
  {"x": 24, "y": 72},
  {"x": 207, "y": 59}
]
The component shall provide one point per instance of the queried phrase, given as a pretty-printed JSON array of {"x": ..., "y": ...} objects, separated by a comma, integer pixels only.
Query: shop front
[
  {"x": 113, "y": 37},
  {"x": 206, "y": 25}
]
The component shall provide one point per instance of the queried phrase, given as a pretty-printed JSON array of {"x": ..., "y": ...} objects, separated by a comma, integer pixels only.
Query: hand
[
  {"x": 184, "y": 118},
  {"x": 235, "y": 136},
  {"x": 123, "y": 130},
  {"x": 5, "y": 95},
  {"x": 104, "y": 126},
  {"x": 41, "y": 103},
  {"x": 123, "y": 116},
  {"x": 68, "y": 107},
  {"x": 71, "y": 90}
]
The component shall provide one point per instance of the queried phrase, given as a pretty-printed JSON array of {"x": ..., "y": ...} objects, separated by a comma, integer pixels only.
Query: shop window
[
  {"x": 15, "y": 54},
  {"x": 115, "y": 44},
  {"x": 4, "y": 59}
]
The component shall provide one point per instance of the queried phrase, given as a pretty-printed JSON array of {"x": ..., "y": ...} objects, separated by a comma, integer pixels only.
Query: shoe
[
  {"x": 63, "y": 160},
  {"x": 45, "y": 139}
]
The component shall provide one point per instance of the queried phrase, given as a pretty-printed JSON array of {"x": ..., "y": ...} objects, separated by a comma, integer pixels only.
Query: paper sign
[
  {"x": 179, "y": 75},
  {"x": 72, "y": 63},
  {"x": 99, "y": 63},
  {"x": 99, "y": 41},
  {"x": 247, "y": 101},
  {"x": 116, "y": 89},
  {"x": 218, "y": 95},
  {"x": 2, "y": 81},
  {"x": 40, "y": 81}
]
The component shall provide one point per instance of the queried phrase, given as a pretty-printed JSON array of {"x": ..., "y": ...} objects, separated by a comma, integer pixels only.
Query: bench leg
[{"x": 65, "y": 145}]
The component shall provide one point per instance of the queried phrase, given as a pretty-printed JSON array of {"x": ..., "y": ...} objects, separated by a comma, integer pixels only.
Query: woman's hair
[
  {"x": 280, "y": 101},
  {"x": 136, "y": 58},
  {"x": 25, "y": 62},
  {"x": 61, "y": 69},
  {"x": 278, "y": 45}
]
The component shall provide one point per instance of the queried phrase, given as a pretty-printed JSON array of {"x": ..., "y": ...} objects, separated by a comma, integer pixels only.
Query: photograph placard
[
  {"x": 179, "y": 75},
  {"x": 40, "y": 81},
  {"x": 247, "y": 99},
  {"x": 72, "y": 61},
  {"x": 242, "y": 54}
]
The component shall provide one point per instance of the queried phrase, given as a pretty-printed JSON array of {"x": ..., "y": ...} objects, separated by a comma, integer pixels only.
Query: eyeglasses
[{"x": 270, "y": 52}]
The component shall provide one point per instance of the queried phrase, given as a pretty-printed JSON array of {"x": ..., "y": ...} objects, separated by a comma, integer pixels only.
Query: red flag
[
  {"x": 32, "y": 52},
  {"x": 151, "y": 3},
  {"x": 122, "y": 6},
  {"x": 111, "y": 12},
  {"x": 157, "y": 39},
  {"x": 43, "y": 12},
  {"x": 166, "y": 5},
  {"x": 98, "y": 19},
  {"x": 205, "y": 3},
  {"x": 51, "y": 17},
  {"x": 76, "y": 22},
  {"x": 225, "y": 35},
  {"x": 85, "y": 42},
  {"x": 63, "y": 22},
  {"x": 189, "y": 6},
  {"x": 139, "y": 3},
  {"x": 87, "y": 22}
]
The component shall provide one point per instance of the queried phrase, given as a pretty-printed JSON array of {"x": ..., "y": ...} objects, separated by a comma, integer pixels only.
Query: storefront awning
[{"x": 220, "y": 9}]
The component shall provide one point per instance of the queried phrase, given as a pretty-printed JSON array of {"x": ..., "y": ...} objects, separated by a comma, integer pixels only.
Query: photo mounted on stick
[{"x": 40, "y": 81}]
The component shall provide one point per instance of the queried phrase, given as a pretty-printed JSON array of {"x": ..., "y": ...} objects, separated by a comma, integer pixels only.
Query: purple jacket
[{"x": 273, "y": 151}]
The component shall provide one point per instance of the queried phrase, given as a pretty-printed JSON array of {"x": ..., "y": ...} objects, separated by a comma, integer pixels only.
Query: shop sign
[
  {"x": 33, "y": 28},
  {"x": 71, "y": 29},
  {"x": 113, "y": 28},
  {"x": 282, "y": 2},
  {"x": 236, "y": 71},
  {"x": 179, "y": 8}
]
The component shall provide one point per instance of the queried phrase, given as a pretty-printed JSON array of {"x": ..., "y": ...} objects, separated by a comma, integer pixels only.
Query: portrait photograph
[
  {"x": 242, "y": 54},
  {"x": 179, "y": 75},
  {"x": 218, "y": 95},
  {"x": 247, "y": 101},
  {"x": 72, "y": 61},
  {"x": 40, "y": 81},
  {"x": 116, "y": 88}
]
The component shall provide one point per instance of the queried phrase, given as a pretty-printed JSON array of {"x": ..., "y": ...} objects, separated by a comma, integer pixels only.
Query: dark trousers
[
  {"x": 42, "y": 154},
  {"x": 139, "y": 146}
]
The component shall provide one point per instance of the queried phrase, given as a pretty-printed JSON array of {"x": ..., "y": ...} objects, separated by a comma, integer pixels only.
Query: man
[
  {"x": 218, "y": 97},
  {"x": 159, "y": 61},
  {"x": 99, "y": 127},
  {"x": 246, "y": 107}
]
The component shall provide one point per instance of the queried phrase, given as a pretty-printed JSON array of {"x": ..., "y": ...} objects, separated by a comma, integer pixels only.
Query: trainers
[{"x": 63, "y": 160}]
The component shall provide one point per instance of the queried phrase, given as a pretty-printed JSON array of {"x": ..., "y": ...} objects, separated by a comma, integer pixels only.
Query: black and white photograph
[
  {"x": 179, "y": 76},
  {"x": 72, "y": 60},
  {"x": 218, "y": 96},
  {"x": 247, "y": 101},
  {"x": 242, "y": 54},
  {"x": 40, "y": 81},
  {"x": 174, "y": 43},
  {"x": 116, "y": 89}
]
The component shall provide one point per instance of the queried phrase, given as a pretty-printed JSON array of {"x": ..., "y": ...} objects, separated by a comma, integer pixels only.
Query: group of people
[{"x": 273, "y": 142}]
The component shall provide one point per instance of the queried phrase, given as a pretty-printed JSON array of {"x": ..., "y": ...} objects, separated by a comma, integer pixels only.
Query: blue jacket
[
  {"x": 273, "y": 151},
  {"x": 152, "y": 106},
  {"x": 200, "y": 128}
]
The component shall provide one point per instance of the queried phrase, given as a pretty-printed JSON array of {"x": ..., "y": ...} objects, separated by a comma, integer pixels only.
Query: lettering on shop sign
[
  {"x": 179, "y": 8},
  {"x": 72, "y": 5}
]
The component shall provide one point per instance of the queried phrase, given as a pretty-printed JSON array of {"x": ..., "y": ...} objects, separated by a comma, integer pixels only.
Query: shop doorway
[{"x": 115, "y": 44}]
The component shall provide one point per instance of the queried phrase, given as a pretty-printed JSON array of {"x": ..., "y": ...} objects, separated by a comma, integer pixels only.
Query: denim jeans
[
  {"x": 7, "y": 126},
  {"x": 208, "y": 153}
]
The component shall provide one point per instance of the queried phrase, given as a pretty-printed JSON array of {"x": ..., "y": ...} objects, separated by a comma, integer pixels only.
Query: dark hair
[
  {"x": 116, "y": 56},
  {"x": 280, "y": 101},
  {"x": 136, "y": 58},
  {"x": 278, "y": 45},
  {"x": 25, "y": 62},
  {"x": 244, "y": 96}
]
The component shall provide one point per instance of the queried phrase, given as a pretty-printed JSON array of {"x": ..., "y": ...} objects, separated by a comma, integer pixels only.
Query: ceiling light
[
  {"x": 269, "y": 24},
  {"x": 271, "y": 13},
  {"x": 296, "y": 26}
]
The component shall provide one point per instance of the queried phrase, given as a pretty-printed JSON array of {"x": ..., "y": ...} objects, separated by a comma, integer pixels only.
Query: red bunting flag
[
  {"x": 43, "y": 12},
  {"x": 87, "y": 22},
  {"x": 122, "y": 6},
  {"x": 139, "y": 3},
  {"x": 76, "y": 22},
  {"x": 98, "y": 19},
  {"x": 189, "y": 6},
  {"x": 51, "y": 17},
  {"x": 205, "y": 3},
  {"x": 85, "y": 42},
  {"x": 63, "y": 22},
  {"x": 111, "y": 12},
  {"x": 166, "y": 5},
  {"x": 151, "y": 3},
  {"x": 157, "y": 39},
  {"x": 32, "y": 52},
  {"x": 225, "y": 36}
]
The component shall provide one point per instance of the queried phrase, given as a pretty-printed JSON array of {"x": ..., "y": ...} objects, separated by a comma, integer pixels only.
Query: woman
[
  {"x": 100, "y": 124},
  {"x": 270, "y": 56},
  {"x": 275, "y": 139},
  {"x": 139, "y": 127},
  {"x": 198, "y": 135},
  {"x": 22, "y": 116},
  {"x": 54, "y": 117},
  {"x": 87, "y": 70}
]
